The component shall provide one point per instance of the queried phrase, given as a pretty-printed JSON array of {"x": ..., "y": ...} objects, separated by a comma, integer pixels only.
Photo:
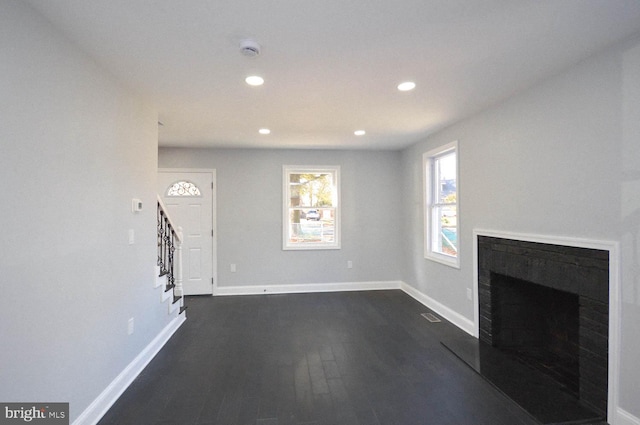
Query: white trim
[
  {"x": 164, "y": 209},
  {"x": 214, "y": 214},
  {"x": 165, "y": 295},
  {"x": 97, "y": 409},
  {"x": 174, "y": 306},
  {"x": 444, "y": 311},
  {"x": 427, "y": 193},
  {"x": 614, "y": 301},
  {"x": 304, "y": 169},
  {"x": 452, "y": 316},
  {"x": 159, "y": 279},
  {"x": 307, "y": 288},
  {"x": 617, "y": 415},
  {"x": 625, "y": 418}
]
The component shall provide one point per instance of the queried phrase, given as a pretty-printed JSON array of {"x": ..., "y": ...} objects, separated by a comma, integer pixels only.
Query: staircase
[{"x": 169, "y": 265}]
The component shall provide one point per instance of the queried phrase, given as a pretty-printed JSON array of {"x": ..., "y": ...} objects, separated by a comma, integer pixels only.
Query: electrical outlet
[
  {"x": 232, "y": 268},
  {"x": 469, "y": 294},
  {"x": 130, "y": 326},
  {"x": 132, "y": 237},
  {"x": 349, "y": 264}
]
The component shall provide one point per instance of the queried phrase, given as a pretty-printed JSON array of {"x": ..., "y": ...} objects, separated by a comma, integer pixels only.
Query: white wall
[
  {"x": 561, "y": 159},
  {"x": 249, "y": 216},
  {"x": 76, "y": 147}
]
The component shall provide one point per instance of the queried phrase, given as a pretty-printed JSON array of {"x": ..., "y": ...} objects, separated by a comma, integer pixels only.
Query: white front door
[{"x": 188, "y": 196}]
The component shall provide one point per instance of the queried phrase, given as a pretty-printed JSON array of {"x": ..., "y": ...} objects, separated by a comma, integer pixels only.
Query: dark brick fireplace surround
[{"x": 548, "y": 304}]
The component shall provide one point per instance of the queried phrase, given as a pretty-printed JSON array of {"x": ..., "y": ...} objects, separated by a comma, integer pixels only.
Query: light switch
[{"x": 136, "y": 205}]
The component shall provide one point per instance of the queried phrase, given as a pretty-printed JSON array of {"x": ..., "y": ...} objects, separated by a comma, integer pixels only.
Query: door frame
[{"x": 214, "y": 218}]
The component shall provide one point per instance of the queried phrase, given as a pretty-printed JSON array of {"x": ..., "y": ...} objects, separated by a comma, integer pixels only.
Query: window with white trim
[
  {"x": 311, "y": 211},
  {"x": 441, "y": 204}
]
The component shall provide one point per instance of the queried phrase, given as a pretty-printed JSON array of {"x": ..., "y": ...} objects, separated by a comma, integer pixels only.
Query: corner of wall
[
  {"x": 452, "y": 316},
  {"x": 96, "y": 410}
]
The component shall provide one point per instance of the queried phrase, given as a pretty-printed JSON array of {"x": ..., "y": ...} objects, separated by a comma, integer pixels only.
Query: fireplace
[
  {"x": 547, "y": 306},
  {"x": 539, "y": 326}
]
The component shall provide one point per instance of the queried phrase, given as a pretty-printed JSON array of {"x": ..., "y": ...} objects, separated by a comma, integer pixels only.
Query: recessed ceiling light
[
  {"x": 264, "y": 131},
  {"x": 406, "y": 86},
  {"x": 254, "y": 80},
  {"x": 359, "y": 132}
]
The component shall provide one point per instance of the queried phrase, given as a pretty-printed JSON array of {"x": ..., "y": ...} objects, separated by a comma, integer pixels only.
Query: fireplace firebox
[{"x": 548, "y": 307}]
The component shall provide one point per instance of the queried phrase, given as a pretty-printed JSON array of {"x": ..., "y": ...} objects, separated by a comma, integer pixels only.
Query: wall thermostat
[{"x": 136, "y": 205}]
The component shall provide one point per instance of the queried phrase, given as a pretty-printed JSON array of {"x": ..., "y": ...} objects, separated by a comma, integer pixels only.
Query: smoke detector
[{"x": 250, "y": 48}]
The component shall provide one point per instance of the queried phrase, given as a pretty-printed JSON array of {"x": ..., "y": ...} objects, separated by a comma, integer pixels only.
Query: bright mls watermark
[{"x": 34, "y": 413}]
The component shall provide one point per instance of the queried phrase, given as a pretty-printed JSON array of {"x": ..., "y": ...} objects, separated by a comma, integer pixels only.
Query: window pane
[
  {"x": 441, "y": 205},
  {"x": 183, "y": 188},
  {"x": 445, "y": 230},
  {"x": 311, "y": 211},
  {"x": 312, "y": 225},
  {"x": 311, "y": 190},
  {"x": 445, "y": 179}
]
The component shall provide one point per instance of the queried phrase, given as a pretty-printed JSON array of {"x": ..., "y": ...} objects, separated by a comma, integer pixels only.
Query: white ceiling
[{"x": 332, "y": 66}]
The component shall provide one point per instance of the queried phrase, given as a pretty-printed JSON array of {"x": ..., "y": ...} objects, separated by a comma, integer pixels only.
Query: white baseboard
[
  {"x": 92, "y": 414},
  {"x": 444, "y": 311},
  {"x": 452, "y": 316},
  {"x": 625, "y": 418},
  {"x": 306, "y": 288},
  {"x": 96, "y": 410}
]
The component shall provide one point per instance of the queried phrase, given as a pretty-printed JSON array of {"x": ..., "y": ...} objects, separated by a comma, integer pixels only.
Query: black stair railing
[{"x": 170, "y": 254}]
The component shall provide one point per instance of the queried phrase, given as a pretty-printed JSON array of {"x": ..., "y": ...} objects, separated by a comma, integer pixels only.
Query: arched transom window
[{"x": 183, "y": 188}]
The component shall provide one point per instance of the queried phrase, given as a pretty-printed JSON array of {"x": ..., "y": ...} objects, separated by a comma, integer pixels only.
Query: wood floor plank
[{"x": 353, "y": 358}]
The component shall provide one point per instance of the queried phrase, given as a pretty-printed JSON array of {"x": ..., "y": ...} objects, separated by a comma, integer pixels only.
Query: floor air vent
[{"x": 431, "y": 317}]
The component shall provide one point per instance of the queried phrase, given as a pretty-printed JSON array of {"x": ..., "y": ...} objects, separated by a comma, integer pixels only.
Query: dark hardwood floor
[{"x": 351, "y": 358}]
